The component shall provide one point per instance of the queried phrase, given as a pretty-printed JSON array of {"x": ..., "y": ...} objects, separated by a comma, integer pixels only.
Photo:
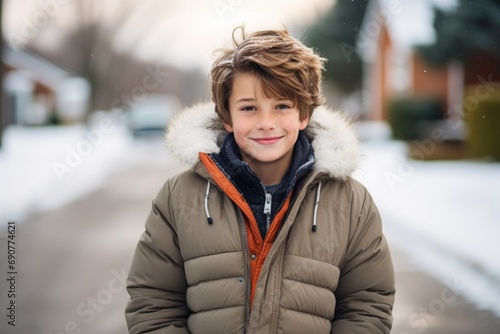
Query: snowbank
[
  {"x": 47, "y": 167},
  {"x": 445, "y": 214}
]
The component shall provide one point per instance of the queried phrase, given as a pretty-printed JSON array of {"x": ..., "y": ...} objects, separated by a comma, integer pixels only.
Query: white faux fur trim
[{"x": 198, "y": 129}]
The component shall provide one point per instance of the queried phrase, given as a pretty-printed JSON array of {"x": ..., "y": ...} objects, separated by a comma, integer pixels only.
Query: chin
[{"x": 267, "y": 159}]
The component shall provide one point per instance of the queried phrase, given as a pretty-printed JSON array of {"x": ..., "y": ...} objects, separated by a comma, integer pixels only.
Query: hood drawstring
[
  {"x": 318, "y": 191},
  {"x": 209, "y": 219},
  {"x": 316, "y": 207}
]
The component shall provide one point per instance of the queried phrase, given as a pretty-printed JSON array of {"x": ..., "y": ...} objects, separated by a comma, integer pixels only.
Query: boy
[{"x": 267, "y": 232}]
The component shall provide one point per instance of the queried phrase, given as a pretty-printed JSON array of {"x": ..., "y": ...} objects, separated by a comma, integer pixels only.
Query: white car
[{"x": 150, "y": 116}]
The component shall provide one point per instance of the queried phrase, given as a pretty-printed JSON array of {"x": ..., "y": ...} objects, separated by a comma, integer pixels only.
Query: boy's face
[{"x": 265, "y": 129}]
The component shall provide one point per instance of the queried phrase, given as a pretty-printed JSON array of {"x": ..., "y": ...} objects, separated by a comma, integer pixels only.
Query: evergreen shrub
[
  {"x": 407, "y": 115},
  {"x": 483, "y": 124}
]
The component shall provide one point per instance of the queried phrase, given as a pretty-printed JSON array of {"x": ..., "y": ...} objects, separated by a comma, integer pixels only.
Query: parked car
[{"x": 150, "y": 116}]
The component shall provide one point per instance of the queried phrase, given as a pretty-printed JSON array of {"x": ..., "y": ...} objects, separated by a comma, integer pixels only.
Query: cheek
[
  {"x": 292, "y": 126},
  {"x": 241, "y": 128},
  {"x": 240, "y": 133}
]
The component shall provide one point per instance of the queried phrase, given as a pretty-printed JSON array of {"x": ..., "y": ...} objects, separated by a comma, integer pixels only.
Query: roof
[
  {"x": 409, "y": 23},
  {"x": 35, "y": 67}
]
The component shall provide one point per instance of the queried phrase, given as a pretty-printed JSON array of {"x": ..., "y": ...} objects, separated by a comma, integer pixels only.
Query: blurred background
[{"x": 89, "y": 86}]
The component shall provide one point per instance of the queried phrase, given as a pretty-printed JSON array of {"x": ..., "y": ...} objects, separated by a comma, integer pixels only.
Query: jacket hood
[{"x": 198, "y": 129}]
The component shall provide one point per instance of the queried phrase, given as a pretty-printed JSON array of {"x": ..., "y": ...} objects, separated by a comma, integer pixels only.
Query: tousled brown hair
[{"x": 287, "y": 68}]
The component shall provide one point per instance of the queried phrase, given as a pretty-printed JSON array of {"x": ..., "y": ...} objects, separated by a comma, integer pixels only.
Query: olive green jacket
[{"x": 189, "y": 276}]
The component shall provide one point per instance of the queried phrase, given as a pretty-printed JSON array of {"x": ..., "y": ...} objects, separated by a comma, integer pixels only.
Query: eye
[
  {"x": 247, "y": 108},
  {"x": 283, "y": 106}
]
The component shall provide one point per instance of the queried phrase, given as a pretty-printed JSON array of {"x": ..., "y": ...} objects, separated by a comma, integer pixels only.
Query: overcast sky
[{"x": 180, "y": 32}]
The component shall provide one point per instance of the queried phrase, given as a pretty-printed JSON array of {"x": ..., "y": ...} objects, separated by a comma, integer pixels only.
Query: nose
[{"x": 267, "y": 119}]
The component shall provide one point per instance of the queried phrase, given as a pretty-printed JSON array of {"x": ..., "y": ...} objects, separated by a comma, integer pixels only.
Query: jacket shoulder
[
  {"x": 350, "y": 201},
  {"x": 178, "y": 191},
  {"x": 185, "y": 179},
  {"x": 348, "y": 188}
]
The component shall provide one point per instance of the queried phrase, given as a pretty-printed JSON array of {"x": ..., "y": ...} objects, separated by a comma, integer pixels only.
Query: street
[{"x": 72, "y": 264}]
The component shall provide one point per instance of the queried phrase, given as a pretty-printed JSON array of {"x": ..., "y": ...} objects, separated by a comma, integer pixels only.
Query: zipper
[
  {"x": 247, "y": 265},
  {"x": 267, "y": 209},
  {"x": 268, "y": 201}
]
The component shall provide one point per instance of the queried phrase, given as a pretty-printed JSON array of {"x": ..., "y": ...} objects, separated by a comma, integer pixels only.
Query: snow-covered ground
[
  {"x": 445, "y": 214},
  {"x": 44, "y": 168}
]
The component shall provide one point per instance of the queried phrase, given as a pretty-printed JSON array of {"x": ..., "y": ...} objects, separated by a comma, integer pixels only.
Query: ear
[
  {"x": 227, "y": 126},
  {"x": 304, "y": 123}
]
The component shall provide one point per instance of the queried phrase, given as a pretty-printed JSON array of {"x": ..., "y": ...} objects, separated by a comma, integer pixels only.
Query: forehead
[{"x": 248, "y": 85}]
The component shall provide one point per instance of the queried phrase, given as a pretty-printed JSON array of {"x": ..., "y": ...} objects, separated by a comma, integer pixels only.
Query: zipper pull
[
  {"x": 267, "y": 210},
  {"x": 267, "y": 204}
]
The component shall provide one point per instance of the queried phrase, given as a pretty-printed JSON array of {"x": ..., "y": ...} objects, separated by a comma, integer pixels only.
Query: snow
[
  {"x": 43, "y": 168},
  {"x": 446, "y": 215}
]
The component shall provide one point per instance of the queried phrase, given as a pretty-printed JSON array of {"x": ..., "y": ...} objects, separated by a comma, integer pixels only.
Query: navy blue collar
[{"x": 248, "y": 183}]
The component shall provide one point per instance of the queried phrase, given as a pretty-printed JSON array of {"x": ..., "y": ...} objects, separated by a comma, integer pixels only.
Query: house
[
  {"x": 387, "y": 41},
  {"x": 37, "y": 90},
  {"x": 389, "y": 33}
]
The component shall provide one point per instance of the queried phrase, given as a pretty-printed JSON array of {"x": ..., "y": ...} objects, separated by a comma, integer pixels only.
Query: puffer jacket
[{"x": 326, "y": 268}]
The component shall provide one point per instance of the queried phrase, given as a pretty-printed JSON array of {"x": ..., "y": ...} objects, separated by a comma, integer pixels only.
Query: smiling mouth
[{"x": 267, "y": 140}]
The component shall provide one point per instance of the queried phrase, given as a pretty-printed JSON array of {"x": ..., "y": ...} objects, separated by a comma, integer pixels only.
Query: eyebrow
[
  {"x": 245, "y": 99},
  {"x": 251, "y": 99}
]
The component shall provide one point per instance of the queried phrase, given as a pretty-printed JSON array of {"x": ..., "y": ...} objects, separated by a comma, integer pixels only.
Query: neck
[{"x": 270, "y": 173}]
